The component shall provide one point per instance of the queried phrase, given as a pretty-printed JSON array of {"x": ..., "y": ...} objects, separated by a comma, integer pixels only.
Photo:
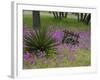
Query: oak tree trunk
[{"x": 36, "y": 19}]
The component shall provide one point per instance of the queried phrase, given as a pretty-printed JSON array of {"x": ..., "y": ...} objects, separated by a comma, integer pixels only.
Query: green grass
[
  {"x": 47, "y": 20},
  {"x": 27, "y": 20},
  {"x": 82, "y": 59}
]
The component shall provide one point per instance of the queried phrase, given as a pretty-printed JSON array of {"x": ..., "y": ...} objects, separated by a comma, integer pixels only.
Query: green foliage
[
  {"x": 39, "y": 40},
  {"x": 48, "y": 20},
  {"x": 27, "y": 20},
  {"x": 50, "y": 52}
]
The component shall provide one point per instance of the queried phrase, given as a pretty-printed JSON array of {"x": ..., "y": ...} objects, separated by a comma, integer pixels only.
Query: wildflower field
[{"x": 59, "y": 41}]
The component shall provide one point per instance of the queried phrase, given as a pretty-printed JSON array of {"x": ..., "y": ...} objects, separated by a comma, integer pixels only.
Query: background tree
[
  {"x": 36, "y": 19},
  {"x": 88, "y": 18},
  {"x": 59, "y": 15},
  {"x": 84, "y": 17}
]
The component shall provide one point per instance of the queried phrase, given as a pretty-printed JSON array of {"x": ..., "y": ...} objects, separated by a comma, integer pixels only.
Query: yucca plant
[{"x": 40, "y": 41}]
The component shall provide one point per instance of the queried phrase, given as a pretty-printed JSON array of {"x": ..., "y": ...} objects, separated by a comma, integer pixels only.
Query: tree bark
[
  {"x": 85, "y": 17},
  {"x": 36, "y": 19},
  {"x": 81, "y": 16},
  {"x": 88, "y": 18}
]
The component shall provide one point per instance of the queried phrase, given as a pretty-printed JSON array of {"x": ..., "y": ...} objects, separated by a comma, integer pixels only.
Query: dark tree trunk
[
  {"x": 88, "y": 18},
  {"x": 60, "y": 15},
  {"x": 66, "y": 13},
  {"x": 36, "y": 19},
  {"x": 55, "y": 14},
  {"x": 85, "y": 17},
  {"x": 81, "y": 16}
]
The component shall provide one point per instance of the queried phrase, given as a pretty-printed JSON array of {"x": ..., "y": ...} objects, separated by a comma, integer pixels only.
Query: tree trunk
[
  {"x": 88, "y": 18},
  {"x": 36, "y": 19},
  {"x": 85, "y": 17},
  {"x": 66, "y": 13},
  {"x": 81, "y": 16}
]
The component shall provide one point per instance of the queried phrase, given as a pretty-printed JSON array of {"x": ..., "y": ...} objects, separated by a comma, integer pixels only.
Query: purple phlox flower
[
  {"x": 84, "y": 40},
  {"x": 58, "y": 35},
  {"x": 41, "y": 54},
  {"x": 29, "y": 58},
  {"x": 26, "y": 55},
  {"x": 60, "y": 48},
  {"x": 31, "y": 61},
  {"x": 27, "y": 31},
  {"x": 70, "y": 47}
]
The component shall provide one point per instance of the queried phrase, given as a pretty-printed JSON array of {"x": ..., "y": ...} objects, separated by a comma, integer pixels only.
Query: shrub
[{"x": 39, "y": 41}]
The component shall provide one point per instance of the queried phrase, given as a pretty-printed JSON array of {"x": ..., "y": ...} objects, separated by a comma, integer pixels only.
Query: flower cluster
[
  {"x": 28, "y": 57},
  {"x": 83, "y": 41},
  {"x": 58, "y": 35}
]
